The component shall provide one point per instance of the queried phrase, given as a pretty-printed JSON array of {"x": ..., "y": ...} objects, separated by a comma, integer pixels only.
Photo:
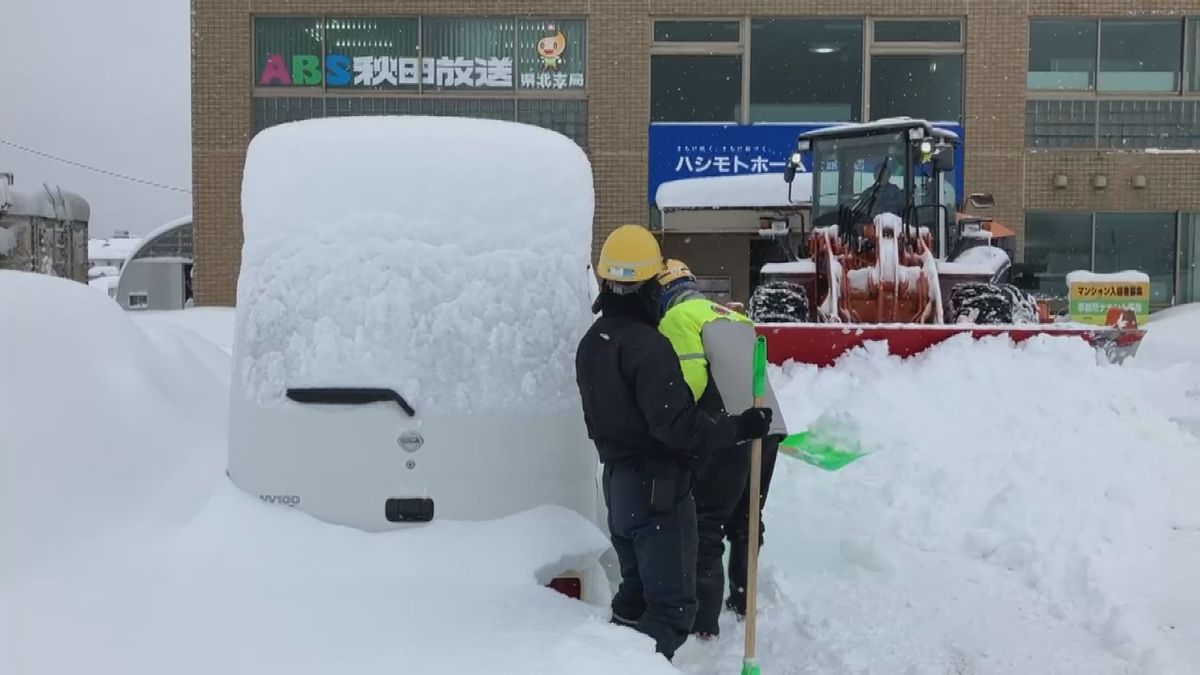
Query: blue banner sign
[{"x": 687, "y": 150}]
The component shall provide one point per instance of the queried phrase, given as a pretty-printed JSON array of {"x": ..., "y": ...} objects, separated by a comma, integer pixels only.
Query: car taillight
[{"x": 572, "y": 587}]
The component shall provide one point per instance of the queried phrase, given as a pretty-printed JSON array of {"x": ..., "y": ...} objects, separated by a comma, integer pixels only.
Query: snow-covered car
[{"x": 411, "y": 296}]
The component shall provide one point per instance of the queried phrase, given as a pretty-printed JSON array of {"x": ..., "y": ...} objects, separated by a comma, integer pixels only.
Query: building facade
[{"x": 1081, "y": 117}]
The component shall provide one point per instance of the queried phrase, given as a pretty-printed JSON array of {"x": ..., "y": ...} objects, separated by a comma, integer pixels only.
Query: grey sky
[{"x": 105, "y": 83}]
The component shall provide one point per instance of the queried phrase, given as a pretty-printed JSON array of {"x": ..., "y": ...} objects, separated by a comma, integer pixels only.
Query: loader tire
[
  {"x": 990, "y": 304},
  {"x": 779, "y": 302}
]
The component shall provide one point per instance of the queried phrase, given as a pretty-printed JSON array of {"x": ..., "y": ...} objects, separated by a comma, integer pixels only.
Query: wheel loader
[{"x": 890, "y": 256}]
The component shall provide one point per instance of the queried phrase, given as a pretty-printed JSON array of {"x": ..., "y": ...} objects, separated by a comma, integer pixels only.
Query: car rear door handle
[{"x": 349, "y": 396}]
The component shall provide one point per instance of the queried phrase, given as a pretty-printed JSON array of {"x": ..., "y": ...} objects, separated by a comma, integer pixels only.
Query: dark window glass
[
  {"x": 372, "y": 53},
  {"x": 1189, "y": 259},
  {"x": 350, "y": 106},
  {"x": 806, "y": 70},
  {"x": 552, "y": 54},
  {"x": 468, "y": 54},
  {"x": 1055, "y": 245},
  {"x": 1158, "y": 123},
  {"x": 478, "y": 108},
  {"x": 272, "y": 110},
  {"x": 1060, "y": 124},
  {"x": 566, "y": 116},
  {"x": 288, "y": 52},
  {"x": 1062, "y": 54},
  {"x": 1192, "y": 52},
  {"x": 1139, "y": 241},
  {"x": 697, "y": 31},
  {"x": 926, "y": 87},
  {"x": 1140, "y": 55},
  {"x": 918, "y": 31},
  {"x": 695, "y": 88}
]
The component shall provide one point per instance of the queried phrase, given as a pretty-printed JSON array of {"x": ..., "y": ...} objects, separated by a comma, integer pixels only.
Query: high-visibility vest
[{"x": 683, "y": 325}]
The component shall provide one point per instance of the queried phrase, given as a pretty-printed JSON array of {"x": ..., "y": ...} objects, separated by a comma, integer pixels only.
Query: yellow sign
[{"x": 1092, "y": 302}]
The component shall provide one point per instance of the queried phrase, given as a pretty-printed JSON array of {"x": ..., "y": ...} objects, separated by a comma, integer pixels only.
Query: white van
[{"x": 411, "y": 297}]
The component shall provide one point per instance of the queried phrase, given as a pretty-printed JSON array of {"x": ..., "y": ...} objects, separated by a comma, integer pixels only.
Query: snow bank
[
  {"x": 214, "y": 324},
  {"x": 126, "y": 552},
  {"x": 755, "y": 191},
  {"x": 376, "y": 279},
  {"x": 103, "y": 426},
  {"x": 1024, "y": 510}
]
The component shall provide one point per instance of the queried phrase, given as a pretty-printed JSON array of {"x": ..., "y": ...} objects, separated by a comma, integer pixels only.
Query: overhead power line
[{"x": 88, "y": 167}]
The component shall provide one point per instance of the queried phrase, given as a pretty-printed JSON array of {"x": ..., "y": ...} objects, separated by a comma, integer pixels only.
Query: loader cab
[{"x": 900, "y": 166}]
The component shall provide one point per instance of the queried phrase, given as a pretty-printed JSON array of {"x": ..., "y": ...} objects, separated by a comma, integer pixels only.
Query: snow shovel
[
  {"x": 819, "y": 450},
  {"x": 749, "y": 662}
]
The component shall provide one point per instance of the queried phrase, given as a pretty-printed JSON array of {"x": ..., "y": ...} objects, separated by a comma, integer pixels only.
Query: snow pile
[
  {"x": 377, "y": 286},
  {"x": 125, "y": 551},
  {"x": 977, "y": 260},
  {"x": 104, "y": 427},
  {"x": 1171, "y": 342},
  {"x": 1024, "y": 510},
  {"x": 754, "y": 191},
  {"x": 214, "y": 324}
]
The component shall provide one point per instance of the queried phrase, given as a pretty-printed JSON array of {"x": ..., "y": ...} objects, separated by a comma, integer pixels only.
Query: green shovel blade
[
  {"x": 818, "y": 451},
  {"x": 750, "y": 668}
]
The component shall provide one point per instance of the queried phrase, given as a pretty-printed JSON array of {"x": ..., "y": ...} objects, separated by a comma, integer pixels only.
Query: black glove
[{"x": 753, "y": 423}]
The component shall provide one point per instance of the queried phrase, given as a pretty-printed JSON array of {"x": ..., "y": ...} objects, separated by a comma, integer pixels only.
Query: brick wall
[{"x": 619, "y": 106}]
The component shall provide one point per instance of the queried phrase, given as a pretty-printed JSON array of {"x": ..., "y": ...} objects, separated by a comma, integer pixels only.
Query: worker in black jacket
[{"x": 650, "y": 436}]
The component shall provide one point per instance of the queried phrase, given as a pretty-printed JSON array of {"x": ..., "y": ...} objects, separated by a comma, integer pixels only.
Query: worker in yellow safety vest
[{"x": 715, "y": 346}]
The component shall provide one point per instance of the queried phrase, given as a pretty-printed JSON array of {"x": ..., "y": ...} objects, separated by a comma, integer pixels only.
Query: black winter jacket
[{"x": 635, "y": 400}]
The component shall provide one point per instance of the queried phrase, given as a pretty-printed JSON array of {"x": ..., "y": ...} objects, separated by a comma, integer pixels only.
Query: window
[
  {"x": 928, "y": 87},
  {"x": 288, "y": 51},
  {"x": 467, "y": 53},
  {"x": 139, "y": 300},
  {"x": 1055, "y": 245},
  {"x": 552, "y": 54},
  {"x": 1192, "y": 55},
  {"x": 697, "y": 31},
  {"x": 695, "y": 88},
  {"x": 917, "y": 69},
  {"x": 1140, "y": 55},
  {"x": 918, "y": 31},
  {"x": 1060, "y": 124},
  {"x": 375, "y": 53},
  {"x": 525, "y": 68},
  {"x": 1138, "y": 241},
  {"x": 805, "y": 70},
  {"x": 1062, "y": 54},
  {"x": 1189, "y": 258},
  {"x": 1109, "y": 55}
]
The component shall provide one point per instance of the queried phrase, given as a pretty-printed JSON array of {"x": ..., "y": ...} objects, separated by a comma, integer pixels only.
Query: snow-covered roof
[
  {"x": 880, "y": 125},
  {"x": 753, "y": 191},
  {"x": 158, "y": 232},
  {"x": 50, "y": 202},
  {"x": 111, "y": 249},
  {"x": 1126, "y": 277}
]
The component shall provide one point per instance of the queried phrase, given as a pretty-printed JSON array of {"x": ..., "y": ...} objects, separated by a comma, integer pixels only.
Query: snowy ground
[{"x": 1024, "y": 511}]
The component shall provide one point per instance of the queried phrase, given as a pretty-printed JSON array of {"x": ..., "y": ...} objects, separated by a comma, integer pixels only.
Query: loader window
[{"x": 868, "y": 172}]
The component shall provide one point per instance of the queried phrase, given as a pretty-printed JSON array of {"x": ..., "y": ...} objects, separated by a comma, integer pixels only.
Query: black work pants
[
  {"x": 720, "y": 485},
  {"x": 737, "y": 529},
  {"x": 656, "y": 551}
]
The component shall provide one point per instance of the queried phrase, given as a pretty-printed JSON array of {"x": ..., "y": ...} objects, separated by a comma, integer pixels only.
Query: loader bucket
[{"x": 822, "y": 344}]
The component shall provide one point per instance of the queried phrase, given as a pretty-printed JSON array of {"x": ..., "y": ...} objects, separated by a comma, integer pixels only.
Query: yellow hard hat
[
  {"x": 630, "y": 254},
  {"x": 674, "y": 271}
]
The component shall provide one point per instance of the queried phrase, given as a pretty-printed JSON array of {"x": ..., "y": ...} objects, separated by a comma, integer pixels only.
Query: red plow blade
[{"x": 822, "y": 344}]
